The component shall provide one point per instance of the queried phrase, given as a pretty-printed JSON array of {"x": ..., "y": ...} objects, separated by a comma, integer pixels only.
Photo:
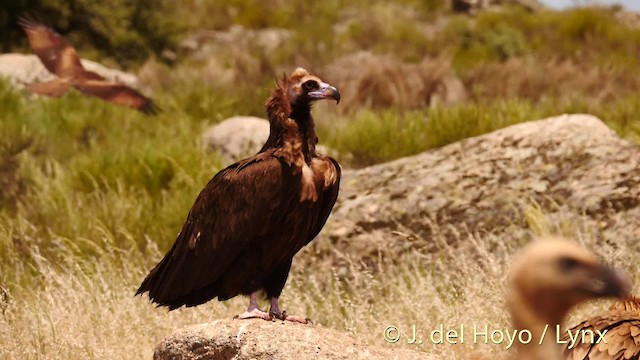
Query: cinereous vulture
[{"x": 250, "y": 220}]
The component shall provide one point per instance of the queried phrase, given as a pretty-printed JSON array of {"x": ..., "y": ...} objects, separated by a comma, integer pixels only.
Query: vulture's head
[
  {"x": 304, "y": 88},
  {"x": 553, "y": 275}
]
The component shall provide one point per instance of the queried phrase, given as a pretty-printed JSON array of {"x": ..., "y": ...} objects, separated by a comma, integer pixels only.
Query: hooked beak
[
  {"x": 326, "y": 91},
  {"x": 610, "y": 282}
]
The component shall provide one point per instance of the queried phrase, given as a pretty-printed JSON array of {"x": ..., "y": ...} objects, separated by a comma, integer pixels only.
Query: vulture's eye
[
  {"x": 568, "y": 264},
  {"x": 310, "y": 85}
]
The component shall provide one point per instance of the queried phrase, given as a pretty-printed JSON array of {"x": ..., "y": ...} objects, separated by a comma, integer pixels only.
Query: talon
[
  {"x": 282, "y": 315},
  {"x": 294, "y": 318},
  {"x": 253, "y": 314}
]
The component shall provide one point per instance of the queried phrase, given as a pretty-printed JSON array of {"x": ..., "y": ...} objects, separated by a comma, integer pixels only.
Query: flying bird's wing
[
  {"x": 236, "y": 209},
  {"x": 55, "y": 53},
  {"x": 116, "y": 93},
  {"x": 60, "y": 58},
  {"x": 55, "y": 88}
]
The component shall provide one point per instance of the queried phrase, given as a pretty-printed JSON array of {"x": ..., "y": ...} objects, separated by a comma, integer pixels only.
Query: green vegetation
[{"x": 91, "y": 194}]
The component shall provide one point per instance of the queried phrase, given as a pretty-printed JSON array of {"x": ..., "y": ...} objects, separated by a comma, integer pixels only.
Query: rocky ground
[{"x": 259, "y": 339}]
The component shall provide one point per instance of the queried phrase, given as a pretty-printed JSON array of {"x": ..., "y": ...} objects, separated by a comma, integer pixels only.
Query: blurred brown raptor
[{"x": 61, "y": 59}]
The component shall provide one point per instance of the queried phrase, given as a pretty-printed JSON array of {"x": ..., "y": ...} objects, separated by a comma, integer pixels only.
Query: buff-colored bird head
[
  {"x": 553, "y": 275},
  {"x": 548, "y": 278},
  {"x": 304, "y": 88}
]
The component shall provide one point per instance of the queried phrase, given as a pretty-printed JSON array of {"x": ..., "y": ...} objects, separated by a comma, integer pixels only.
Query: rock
[
  {"x": 570, "y": 167},
  {"x": 239, "y": 137},
  {"x": 259, "y": 339},
  {"x": 21, "y": 70}
]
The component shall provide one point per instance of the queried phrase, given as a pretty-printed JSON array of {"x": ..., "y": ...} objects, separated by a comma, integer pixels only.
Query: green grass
[{"x": 111, "y": 169}]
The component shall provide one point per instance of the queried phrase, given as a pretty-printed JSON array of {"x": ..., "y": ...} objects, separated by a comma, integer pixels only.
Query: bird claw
[
  {"x": 293, "y": 318},
  {"x": 253, "y": 314}
]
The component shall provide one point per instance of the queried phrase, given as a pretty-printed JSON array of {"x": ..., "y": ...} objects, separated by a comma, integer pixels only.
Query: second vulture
[{"x": 551, "y": 277}]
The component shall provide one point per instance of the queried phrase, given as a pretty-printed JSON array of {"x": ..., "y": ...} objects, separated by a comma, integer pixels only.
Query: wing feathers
[
  {"x": 55, "y": 53},
  {"x": 621, "y": 341},
  {"x": 116, "y": 93},
  {"x": 60, "y": 58},
  {"x": 230, "y": 213}
]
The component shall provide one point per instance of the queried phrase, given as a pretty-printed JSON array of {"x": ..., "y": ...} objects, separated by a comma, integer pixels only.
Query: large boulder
[
  {"x": 259, "y": 339},
  {"x": 571, "y": 169},
  {"x": 21, "y": 70}
]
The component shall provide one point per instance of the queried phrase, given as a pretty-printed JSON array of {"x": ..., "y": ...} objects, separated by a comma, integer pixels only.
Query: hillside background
[{"x": 92, "y": 195}]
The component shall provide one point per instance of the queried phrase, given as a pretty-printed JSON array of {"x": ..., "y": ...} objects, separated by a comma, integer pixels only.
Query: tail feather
[{"x": 168, "y": 285}]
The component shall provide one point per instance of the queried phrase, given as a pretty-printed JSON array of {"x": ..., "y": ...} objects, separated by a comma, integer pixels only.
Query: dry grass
[
  {"x": 84, "y": 309},
  {"x": 529, "y": 78},
  {"x": 383, "y": 81}
]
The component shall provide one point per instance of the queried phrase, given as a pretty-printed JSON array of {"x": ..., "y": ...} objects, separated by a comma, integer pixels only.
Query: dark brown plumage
[
  {"x": 251, "y": 219},
  {"x": 61, "y": 59},
  {"x": 549, "y": 278},
  {"x": 621, "y": 340}
]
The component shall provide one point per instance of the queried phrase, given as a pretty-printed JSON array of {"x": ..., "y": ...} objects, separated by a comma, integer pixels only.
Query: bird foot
[
  {"x": 254, "y": 314},
  {"x": 293, "y": 318}
]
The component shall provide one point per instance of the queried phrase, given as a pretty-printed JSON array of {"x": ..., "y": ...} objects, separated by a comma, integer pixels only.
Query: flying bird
[
  {"x": 61, "y": 59},
  {"x": 620, "y": 331},
  {"x": 549, "y": 278},
  {"x": 249, "y": 221}
]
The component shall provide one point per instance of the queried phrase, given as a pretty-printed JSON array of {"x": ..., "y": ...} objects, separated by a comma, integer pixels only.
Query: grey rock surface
[
  {"x": 237, "y": 137},
  {"x": 259, "y": 339}
]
